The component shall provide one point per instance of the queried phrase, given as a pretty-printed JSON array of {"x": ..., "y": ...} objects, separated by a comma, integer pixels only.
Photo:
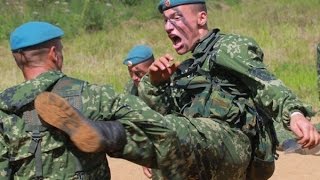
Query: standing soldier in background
[{"x": 138, "y": 61}]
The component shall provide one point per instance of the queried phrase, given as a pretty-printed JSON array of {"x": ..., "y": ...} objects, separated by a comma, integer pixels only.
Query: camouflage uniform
[
  {"x": 130, "y": 88},
  {"x": 58, "y": 155},
  {"x": 226, "y": 81},
  {"x": 203, "y": 169},
  {"x": 151, "y": 138}
]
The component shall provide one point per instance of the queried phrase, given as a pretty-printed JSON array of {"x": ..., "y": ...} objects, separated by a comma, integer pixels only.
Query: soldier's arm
[
  {"x": 156, "y": 97},
  {"x": 154, "y": 87},
  {"x": 243, "y": 58}
]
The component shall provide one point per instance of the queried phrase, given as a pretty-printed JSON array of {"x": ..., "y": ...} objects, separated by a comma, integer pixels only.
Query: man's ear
[
  {"x": 202, "y": 18},
  {"x": 52, "y": 55}
]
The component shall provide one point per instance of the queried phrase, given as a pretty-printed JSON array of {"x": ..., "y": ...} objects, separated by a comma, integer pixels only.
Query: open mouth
[{"x": 176, "y": 41}]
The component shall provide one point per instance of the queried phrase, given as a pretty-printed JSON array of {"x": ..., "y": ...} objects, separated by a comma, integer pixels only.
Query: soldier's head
[
  {"x": 185, "y": 22},
  {"x": 37, "y": 45},
  {"x": 138, "y": 60}
]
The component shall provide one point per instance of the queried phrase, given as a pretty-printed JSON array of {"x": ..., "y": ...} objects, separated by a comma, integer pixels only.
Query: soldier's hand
[
  {"x": 161, "y": 69},
  {"x": 306, "y": 133}
]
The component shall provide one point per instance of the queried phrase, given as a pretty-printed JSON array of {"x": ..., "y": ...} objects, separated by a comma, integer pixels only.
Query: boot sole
[{"x": 57, "y": 112}]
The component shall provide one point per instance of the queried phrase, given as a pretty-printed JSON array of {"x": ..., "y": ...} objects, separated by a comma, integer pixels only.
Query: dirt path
[
  {"x": 288, "y": 166},
  {"x": 297, "y": 167}
]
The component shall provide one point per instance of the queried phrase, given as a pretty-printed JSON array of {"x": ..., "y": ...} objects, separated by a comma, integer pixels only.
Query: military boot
[{"x": 87, "y": 135}]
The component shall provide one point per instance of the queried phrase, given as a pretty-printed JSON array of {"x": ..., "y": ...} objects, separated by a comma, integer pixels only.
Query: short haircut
[{"x": 200, "y": 7}]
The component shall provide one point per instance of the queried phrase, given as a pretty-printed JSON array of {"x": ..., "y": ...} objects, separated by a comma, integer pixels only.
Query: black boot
[{"x": 87, "y": 135}]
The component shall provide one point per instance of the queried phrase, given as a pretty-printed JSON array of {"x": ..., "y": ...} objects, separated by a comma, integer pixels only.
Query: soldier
[
  {"x": 138, "y": 61},
  {"x": 225, "y": 72},
  {"x": 30, "y": 149}
]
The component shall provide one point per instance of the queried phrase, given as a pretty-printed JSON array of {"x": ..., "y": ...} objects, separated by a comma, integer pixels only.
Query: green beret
[
  {"x": 167, "y": 4},
  {"x": 138, "y": 54}
]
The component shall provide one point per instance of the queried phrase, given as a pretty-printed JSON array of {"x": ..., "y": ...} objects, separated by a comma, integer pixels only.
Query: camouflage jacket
[
  {"x": 233, "y": 65},
  {"x": 58, "y": 153},
  {"x": 130, "y": 88}
]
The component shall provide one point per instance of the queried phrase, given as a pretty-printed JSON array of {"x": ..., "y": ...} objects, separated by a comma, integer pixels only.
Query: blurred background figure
[{"x": 138, "y": 60}]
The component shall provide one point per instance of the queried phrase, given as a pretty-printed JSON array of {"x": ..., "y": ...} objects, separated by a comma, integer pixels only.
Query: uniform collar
[
  {"x": 14, "y": 98},
  {"x": 203, "y": 43}
]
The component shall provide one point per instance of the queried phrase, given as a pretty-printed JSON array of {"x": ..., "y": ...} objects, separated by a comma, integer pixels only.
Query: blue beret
[
  {"x": 167, "y": 4},
  {"x": 138, "y": 54},
  {"x": 33, "y": 33}
]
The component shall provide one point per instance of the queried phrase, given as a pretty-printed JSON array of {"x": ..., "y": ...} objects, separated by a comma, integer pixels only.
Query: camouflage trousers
[{"x": 199, "y": 148}]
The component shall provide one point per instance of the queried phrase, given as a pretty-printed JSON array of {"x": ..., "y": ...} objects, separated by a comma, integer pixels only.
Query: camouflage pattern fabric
[
  {"x": 230, "y": 80},
  {"x": 282, "y": 134},
  {"x": 58, "y": 155},
  {"x": 207, "y": 150},
  {"x": 208, "y": 166},
  {"x": 237, "y": 62},
  {"x": 130, "y": 88},
  {"x": 182, "y": 148}
]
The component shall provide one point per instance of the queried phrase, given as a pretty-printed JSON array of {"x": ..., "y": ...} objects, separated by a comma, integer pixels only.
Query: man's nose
[
  {"x": 168, "y": 26},
  {"x": 135, "y": 78}
]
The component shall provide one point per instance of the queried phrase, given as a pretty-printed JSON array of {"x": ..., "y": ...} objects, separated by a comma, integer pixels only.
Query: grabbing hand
[
  {"x": 161, "y": 69},
  {"x": 306, "y": 133}
]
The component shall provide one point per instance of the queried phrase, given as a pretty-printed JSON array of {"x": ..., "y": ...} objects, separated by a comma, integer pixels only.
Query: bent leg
[
  {"x": 179, "y": 147},
  {"x": 208, "y": 149}
]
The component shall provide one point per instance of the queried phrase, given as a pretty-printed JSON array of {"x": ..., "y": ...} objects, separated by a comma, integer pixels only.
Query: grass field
[{"x": 287, "y": 30}]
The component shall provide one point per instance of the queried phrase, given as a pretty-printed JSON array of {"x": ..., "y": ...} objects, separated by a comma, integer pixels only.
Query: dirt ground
[{"x": 288, "y": 166}]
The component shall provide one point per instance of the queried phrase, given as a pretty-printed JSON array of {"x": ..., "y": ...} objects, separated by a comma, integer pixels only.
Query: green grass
[{"x": 287, "y": 30}]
